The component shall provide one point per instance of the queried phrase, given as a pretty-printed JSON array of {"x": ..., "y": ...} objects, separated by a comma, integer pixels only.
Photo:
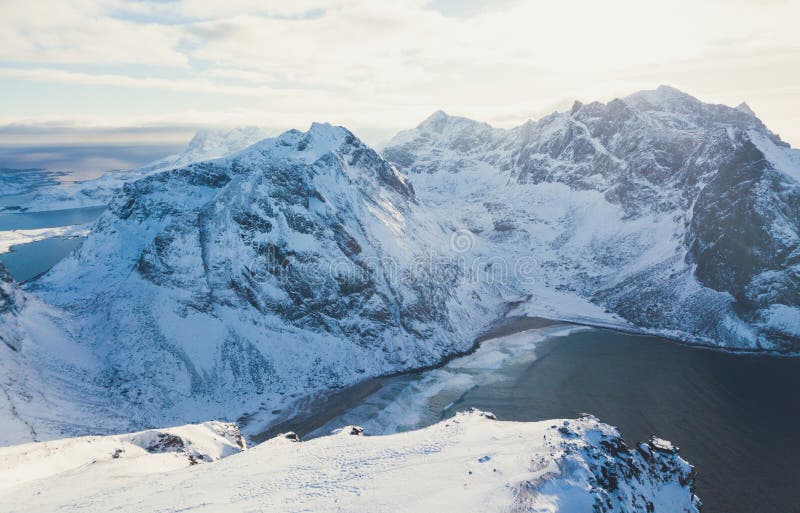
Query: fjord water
[
  {"x": 27, "y": 261},
  {"x": 49, "y": 219},
  {"x": 734, "y": 416}
]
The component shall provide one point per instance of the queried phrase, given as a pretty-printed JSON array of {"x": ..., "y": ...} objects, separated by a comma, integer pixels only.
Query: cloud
[
  {"x": 81, "y": 31},
  {"x": 386, "y": 65},
  {"x": 195, "y": 85}
]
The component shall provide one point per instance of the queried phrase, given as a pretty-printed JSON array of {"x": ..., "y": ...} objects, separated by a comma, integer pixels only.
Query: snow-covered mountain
[
  {"x": 206, "y": 144},
  {"x": 300, "y": 264},
  {"x": 239, "y": 286},
  {"x": 678, "y": 216},
  {"x": 467, "y": 463}
]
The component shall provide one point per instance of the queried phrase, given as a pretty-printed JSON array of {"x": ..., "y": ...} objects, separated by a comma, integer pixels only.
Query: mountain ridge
[{"x": 652, "y": 154}]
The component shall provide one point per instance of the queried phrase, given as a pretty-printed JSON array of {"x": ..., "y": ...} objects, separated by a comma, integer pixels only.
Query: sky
[{"x": 154, "y": 71}]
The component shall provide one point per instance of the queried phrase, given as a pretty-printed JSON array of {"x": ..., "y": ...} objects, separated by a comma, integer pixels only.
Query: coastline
[{"x": 315, "y": 411}]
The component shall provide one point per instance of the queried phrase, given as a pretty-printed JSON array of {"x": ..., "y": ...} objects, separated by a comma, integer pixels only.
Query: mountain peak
[
  {"x": 669, "y": 93},
  {"x": 439, "y": 114},
  {"x": 324, "y": 137},
  {"x": 319, "y": 139},
  {"x": 663, "y": 96},
  {"x": 744, "y": 107},
  {"x": 435, "y": 121},
  {"x": 669, "y": 90},
  {"x": 439, "y": 121},
  {"x": 219, "y": 141},
  {"x": 327, "y": 131}
]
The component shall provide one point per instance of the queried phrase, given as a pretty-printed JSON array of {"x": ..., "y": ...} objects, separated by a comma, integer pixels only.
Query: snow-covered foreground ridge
[
  {"x": 152, "y": 451},
  {"x": 464, "y": 464}
]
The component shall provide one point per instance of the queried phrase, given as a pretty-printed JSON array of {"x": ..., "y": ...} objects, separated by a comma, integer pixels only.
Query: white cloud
[
  {"x": 388, "y": 64},
  {"x": 82, "y": 31},
  {"x": 196, "y": 85}
]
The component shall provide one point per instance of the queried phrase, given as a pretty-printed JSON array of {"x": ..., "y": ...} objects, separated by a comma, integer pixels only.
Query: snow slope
[
  {"x": 468, "y": 463},
  {"x": 49, "y": 385},
  {"x": 21, "y": 181},
  {"x": 10, "y": 238},
  {"x": 656, "y": 210},
  {"x": 134, "y": 454}
]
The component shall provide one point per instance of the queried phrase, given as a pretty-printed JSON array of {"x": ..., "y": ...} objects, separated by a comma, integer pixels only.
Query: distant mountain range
[{"x": 206, "y": 144}]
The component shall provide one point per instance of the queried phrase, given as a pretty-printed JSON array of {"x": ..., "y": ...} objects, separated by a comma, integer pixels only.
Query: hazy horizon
[{"x": 155, "y": 71}]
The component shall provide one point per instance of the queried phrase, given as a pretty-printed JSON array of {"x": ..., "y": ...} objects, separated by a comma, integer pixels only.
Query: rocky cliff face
[
  {"x": 11, "y": 302},
  {"x": 298, "y": 265},
  {"x": 698, "y": 210}
]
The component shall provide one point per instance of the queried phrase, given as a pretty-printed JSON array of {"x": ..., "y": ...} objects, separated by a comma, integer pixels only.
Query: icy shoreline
[
  {"x": 11, "y": 238},
  {"x": 311, "y": 414}
]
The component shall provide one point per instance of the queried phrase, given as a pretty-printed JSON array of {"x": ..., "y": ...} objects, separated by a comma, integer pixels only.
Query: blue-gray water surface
[
  {"x": 51, "y": 219},
  {"x": 27, "y": 261},
  {"x": 734, "y": 416}
]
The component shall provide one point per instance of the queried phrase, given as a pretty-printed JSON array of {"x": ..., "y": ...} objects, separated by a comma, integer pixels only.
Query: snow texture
[
  {"x": 11, "y": 238},
  {"x": 238, "y": 286},
  {"x": 468, "y": 463}
]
